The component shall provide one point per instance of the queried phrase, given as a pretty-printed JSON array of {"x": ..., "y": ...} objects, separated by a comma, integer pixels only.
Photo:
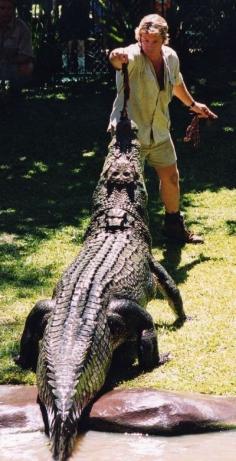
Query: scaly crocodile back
[{"x": 77, "y": 347}]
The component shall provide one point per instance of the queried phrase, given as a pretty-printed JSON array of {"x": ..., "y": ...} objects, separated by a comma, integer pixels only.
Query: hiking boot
[{"x": 176, "y": 230}]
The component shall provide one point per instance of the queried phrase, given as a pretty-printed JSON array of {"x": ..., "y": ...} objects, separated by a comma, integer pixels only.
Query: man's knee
[
  {"x": 168, "y": 175},
  {"x": 174, "y": 178}
]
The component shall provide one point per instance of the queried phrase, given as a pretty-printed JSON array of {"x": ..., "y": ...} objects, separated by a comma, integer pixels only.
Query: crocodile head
[
  {"x": 123, "y": 164},
  {"x": 122, "y": 172},
  {"x": 121, "y": 186},
  {"x": 123, "y": 167}
]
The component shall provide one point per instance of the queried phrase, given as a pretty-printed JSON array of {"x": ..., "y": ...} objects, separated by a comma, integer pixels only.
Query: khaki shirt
[
  {"x": 14, "y": 41},
  {"x": 147, "y": 105}
]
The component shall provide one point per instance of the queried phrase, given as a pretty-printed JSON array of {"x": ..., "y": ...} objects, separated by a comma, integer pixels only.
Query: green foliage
[
  {"x": 196, "y": 27},
  {"x": 118, "y": 21}
]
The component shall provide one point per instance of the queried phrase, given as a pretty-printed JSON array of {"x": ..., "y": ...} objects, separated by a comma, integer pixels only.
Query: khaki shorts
[{"x": 159, "y": 155}]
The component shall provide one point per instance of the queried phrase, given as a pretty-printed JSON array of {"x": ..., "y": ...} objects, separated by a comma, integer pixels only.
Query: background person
[
  {"x": 16, "y": 55},
  {"x": 74, "y": 30},
  {"x": 154, "y": 77}
]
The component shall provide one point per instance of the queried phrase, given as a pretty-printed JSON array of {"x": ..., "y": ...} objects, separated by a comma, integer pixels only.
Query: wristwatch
[{"x": 192, "y": 105}]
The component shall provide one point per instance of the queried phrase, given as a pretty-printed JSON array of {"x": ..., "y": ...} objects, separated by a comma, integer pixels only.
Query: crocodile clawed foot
[
  {"x": 163, "y": 358},
  {"x": 21, "y": 362},
  {"x": 148, "y": 350},
  {"x": 181, "y": 320}
]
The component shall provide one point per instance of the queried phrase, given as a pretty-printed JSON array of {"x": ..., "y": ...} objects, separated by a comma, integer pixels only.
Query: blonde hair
[{"x": 153, "y": 24}]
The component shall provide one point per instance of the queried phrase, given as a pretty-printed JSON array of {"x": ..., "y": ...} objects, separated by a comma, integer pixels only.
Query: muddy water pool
[{"x": 102, "y": 446}]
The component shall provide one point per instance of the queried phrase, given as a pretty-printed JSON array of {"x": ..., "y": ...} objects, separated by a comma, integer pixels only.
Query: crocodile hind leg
[
  {"x": 35, "y": 325},
  {"x": 169, "y": 290},
  {"x": 127, "y": 320},
  {"x": 125, "y": 355}
]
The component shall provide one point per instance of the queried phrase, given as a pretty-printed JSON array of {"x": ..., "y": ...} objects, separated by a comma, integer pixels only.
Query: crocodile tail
[
  {"x": 63, "y": 437},
  {"x": 69, "y": 383}
]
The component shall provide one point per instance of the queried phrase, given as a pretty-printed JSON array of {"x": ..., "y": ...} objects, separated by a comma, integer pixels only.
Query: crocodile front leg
[
  {"x": 127, "y": 320},
  {"x": 35, "y": 325},
  {"x": 169, "y": 290}
]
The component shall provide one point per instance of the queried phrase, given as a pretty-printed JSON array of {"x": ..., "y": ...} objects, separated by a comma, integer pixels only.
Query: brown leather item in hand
[{"x": 192, "y": 132}]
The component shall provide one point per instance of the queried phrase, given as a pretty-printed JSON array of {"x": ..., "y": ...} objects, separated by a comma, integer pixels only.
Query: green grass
[
  {"x": 203, "y": 350},
  {"x": 52, "y": 151}
]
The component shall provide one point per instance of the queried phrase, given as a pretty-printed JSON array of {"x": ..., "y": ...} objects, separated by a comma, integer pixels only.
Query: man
[
  {"x": 74, "y": 30},
  {"x": 16, "y": 56},
  {"x": 154, "y": 77}
]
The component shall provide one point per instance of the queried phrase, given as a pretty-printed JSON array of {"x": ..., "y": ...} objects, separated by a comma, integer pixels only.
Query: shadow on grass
[
  {"x": 231, "y": 225},
  {"x": 51, "y": 159},
  {"x": 172, "y": 259}
]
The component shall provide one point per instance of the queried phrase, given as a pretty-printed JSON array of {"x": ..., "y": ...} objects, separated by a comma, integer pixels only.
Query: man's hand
[
  {"x": 118, "y": 57},
  {"x": 203, "y": 111}
]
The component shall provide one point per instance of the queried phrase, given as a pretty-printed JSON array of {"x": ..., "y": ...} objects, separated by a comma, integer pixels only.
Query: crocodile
[{"x": 99, "y": 304}]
